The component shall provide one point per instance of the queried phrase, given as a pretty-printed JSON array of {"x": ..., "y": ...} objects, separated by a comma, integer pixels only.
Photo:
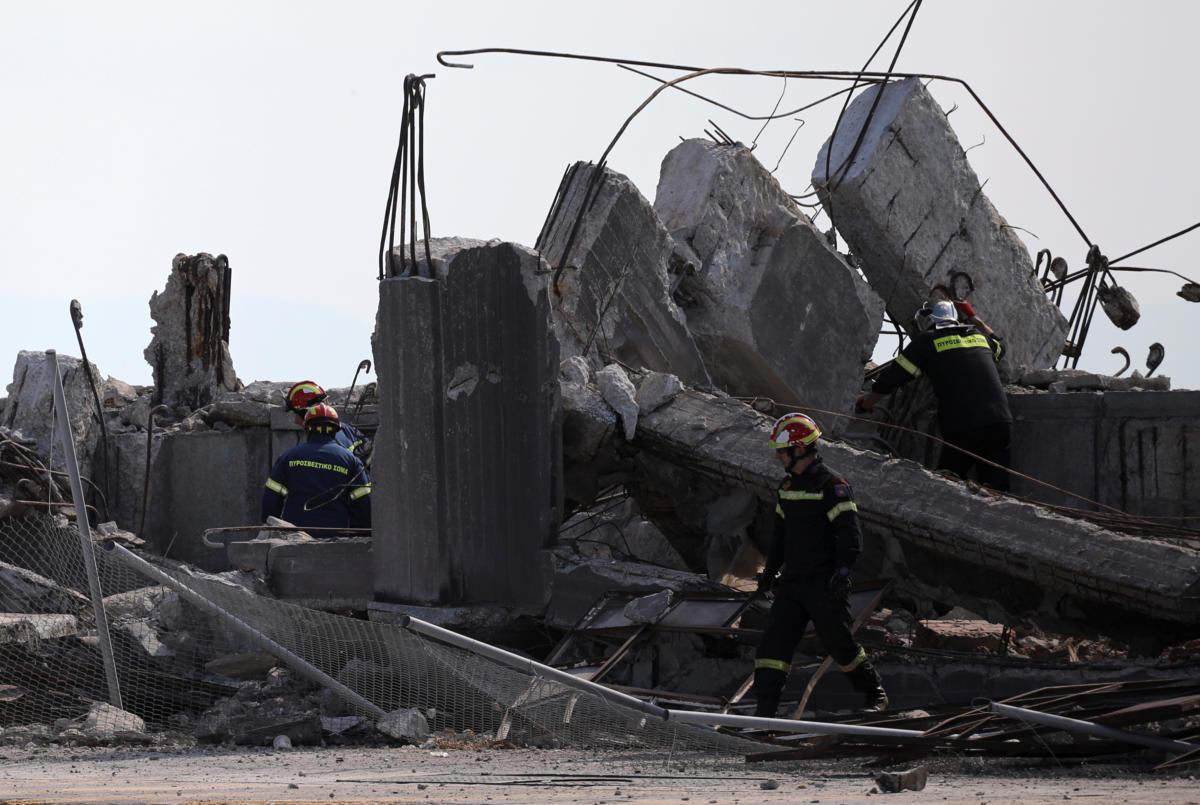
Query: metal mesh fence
[{"x": 168, "y": 625}]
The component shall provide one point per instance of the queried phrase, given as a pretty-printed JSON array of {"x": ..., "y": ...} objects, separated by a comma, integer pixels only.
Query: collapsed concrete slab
[
  {"x": 466, "y": 456},
  {"x": 189, "y": 351},
  {"x": 611, "y": 288},
  {"x": 776, "y": 311},
  {"x": 914, "y": 212},
  {"x": 926, "y": 525}
]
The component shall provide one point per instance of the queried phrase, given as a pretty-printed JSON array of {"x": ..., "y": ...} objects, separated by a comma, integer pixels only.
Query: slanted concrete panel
[
  {"x": 612, "y": 296},
  {"x": 200, "y": 480},
  {"x": 776, "y": 311},
  {"x": 467, "y": 448},
  {"x": 913, "y": 210}
]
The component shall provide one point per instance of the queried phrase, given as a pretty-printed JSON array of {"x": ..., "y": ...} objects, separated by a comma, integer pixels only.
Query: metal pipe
[
  {"x": 792, "y": 725},
  {"x": 1089, "y": 728},
  {"x": 531, "y": 667},
  {"x": 87, "y": 547},
  {"x": 608, "y": 694},
  {"x": 293, "y": 661}
]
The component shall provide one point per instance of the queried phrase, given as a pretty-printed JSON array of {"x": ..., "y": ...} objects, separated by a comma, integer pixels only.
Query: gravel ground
[{"x": 56, "y": 774}]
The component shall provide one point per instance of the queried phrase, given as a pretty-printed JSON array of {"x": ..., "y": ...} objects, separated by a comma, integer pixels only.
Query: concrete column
[{"x": 467, "y": 449}]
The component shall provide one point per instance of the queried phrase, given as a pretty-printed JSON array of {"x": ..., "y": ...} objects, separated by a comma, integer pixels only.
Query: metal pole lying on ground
[
  {"x": 616, "y": 697},
  {"x": 1089, "y": 728},
  {"x": 62, "y": 420}
]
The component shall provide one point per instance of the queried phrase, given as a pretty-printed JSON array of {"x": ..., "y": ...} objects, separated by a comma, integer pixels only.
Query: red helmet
[
  {"x": 304, "y": 395},
  {"x": 321, "y": 418},
  {"x": 794, "y": 430}
]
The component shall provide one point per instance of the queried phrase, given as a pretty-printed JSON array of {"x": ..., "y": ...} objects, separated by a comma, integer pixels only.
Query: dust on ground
[{"x": 412, "y": 774}]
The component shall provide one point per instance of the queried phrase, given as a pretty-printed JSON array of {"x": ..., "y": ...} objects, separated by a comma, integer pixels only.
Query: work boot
[
  {"x": 768, "y": 685},
  {"x": 865, "y": 679}
]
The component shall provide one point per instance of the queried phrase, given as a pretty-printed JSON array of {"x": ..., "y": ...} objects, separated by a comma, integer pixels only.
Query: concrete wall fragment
[
  {"x": 611, "y": 286},
  {"x": 914, "y": 212},
  {"x": 775, "y": 310},
  {"x": 30, "y": 408},
  {"x": 1132, "y": 450},
  {"x": 467, "y": 451},
  {"x": 189, "y": 350}
]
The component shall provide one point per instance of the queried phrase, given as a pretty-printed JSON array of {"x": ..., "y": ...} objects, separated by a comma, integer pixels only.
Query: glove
[
  {"x": 860, "y": 406},
  {"x": 839, "y": 583},
  {"x": 765, "y": 583},
  {"x": 965, "y": 309}
]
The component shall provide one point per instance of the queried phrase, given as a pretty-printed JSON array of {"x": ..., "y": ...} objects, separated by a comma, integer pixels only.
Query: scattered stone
[{"x": 911, "y": 780}]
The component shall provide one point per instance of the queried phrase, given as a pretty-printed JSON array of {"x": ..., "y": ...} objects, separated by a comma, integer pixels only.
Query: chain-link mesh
[{"x": 166, "y": 630}]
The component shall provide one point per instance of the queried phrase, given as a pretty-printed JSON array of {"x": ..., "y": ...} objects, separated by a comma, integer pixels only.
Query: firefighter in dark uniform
[
  {"x": 816, "y": 543},
  {"x": 304, "y": 395},
  {"x": 319, "y": 483},
  {"x": 960, "y": 358}
]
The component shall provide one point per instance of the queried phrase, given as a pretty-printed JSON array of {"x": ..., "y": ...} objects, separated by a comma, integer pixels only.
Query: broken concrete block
[
  {"x": 649, "y": 608},
  {"x": 620, "y": 530},
  {"x": 611, "y": 289},
  {"x": 775, "y": 310},
  {"x": 656, "y": 388},
  {"x": 892, "y": 782},
  {"x": 405, "y": 725},
  {"x": 189, "y": 350},
  {"x": 451, "y": 378},
  {"x": 18, "y": 627},
  {"x": 324, "y": 573},
  {"x": 575, "y": 370},
  {"x": 104, "y": 721},
  {"x": 959, "y": 635},
  {"x": 621, "y": 395},
  {"x": 914, "y": 213},
  {"x": 31, "y": 405}
]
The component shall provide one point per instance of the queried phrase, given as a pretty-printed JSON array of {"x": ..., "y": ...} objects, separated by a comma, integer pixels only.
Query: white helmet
[{"x": 940, "y": 314}]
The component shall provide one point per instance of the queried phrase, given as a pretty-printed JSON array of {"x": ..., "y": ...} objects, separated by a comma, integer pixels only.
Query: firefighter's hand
[
  {"x": 965, "y": 309},
  {"x": 839, "y": 583},
  {"x": 765, "y": 582}
]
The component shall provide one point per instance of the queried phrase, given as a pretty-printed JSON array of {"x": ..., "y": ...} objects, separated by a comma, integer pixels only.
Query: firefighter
[
  {"x": 816, "y": 543},
  {"x": 319, "y": 483},
  {"x": 960, "y": 359},
  {"x": 305, "y": 394}
]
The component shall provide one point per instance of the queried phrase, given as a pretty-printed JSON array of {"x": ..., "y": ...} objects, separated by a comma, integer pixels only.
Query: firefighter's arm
[
  {"x": 274, "y": 493},
  {"x": 842, "y": 512},
  {"x": 775, "y": 555}
]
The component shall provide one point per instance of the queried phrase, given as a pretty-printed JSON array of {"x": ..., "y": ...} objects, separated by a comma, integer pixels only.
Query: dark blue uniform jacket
[{"x": 319, "y": 484}]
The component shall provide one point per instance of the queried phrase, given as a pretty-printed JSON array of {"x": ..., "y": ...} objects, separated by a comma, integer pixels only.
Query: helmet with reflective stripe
[
  {"x": 304, "y": 395},
  {"x": 794, "y": 430},
  {"x": 321, "y": 418}
]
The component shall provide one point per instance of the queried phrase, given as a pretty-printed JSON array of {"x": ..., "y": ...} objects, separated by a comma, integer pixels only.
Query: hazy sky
[{"x": 266, "y": 131}]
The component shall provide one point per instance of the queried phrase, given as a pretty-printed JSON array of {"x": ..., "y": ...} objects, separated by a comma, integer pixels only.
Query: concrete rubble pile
[{"x": 616, "y": 386}]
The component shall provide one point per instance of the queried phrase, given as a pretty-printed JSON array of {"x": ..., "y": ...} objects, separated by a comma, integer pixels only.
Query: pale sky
[{"x": 266, "y": 131}]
